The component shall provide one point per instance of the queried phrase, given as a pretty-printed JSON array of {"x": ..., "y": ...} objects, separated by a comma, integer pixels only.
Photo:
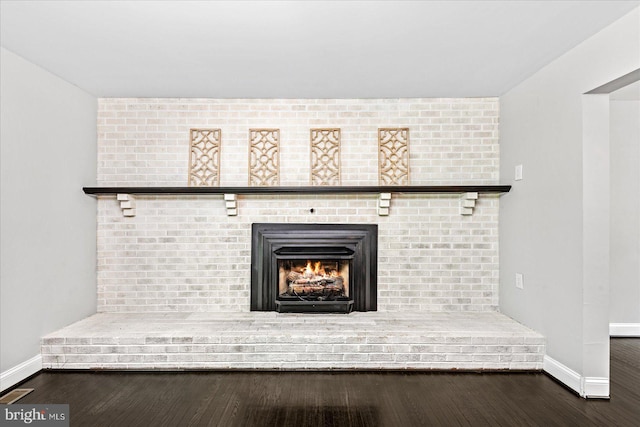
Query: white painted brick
[
  {"x": 170, "y": 346},
  {"x": 145, "y": 142}
]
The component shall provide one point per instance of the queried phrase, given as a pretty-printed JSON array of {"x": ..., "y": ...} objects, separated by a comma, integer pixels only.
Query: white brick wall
[{"x": 185, "y": 254}]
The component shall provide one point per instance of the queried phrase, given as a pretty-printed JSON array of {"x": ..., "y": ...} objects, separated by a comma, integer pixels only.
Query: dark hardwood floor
[{"x": 341, "y": 398}]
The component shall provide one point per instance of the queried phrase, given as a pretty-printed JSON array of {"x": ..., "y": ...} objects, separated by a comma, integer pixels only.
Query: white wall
[
  {"x": 545, "y": 231},
  {"x": 48, "y": 277},
  {"x": 625, "y": 212}
]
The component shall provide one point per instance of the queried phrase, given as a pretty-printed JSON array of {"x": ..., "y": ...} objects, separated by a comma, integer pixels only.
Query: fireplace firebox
[{"x": 314, "y": 267}]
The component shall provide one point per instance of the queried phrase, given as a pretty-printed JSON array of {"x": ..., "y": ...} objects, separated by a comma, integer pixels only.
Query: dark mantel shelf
[{"x": 98, "y": 191}]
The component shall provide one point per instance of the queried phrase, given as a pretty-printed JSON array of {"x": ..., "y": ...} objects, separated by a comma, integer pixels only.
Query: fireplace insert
[
  {"x": 310, "y": 277},
  {"x": 314, "y": 268}
]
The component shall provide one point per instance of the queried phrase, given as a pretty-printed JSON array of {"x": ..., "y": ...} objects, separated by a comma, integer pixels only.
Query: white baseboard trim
[
  {"x": 562, "y": 373},
  {"x": 19, "y": 372},
  {"x": 595, "y": 387},
  {"x": 624, "y": 329},
  {"x": 587, "y": 387}
]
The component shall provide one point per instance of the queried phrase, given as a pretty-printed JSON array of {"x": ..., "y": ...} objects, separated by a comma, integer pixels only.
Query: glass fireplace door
[{"x": 313, "y": 279}]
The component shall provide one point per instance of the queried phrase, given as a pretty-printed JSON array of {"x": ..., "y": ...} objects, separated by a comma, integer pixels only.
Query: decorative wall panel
[
  {"x": 393, "y": 155},
  {"x": 325, "y": 156},
  {"x": 264, "y": 157},
  {"x": 204, "y": 157}
]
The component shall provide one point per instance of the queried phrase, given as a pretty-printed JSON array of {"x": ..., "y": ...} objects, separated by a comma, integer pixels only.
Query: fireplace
[{"x": 314, "y": 267}]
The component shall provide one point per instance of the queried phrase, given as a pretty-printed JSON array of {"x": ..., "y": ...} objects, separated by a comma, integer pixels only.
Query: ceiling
[{"x": 299, "y": 49}]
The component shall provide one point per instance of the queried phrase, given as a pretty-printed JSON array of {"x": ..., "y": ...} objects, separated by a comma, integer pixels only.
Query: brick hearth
[{"x": 266, "y": 340}]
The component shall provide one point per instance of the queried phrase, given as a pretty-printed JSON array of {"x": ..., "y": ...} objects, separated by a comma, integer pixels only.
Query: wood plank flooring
[{"x": 340, "y": 398}]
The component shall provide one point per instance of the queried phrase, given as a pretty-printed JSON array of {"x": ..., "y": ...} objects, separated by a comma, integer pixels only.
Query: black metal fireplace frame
[{"x": 268, "y": 238}]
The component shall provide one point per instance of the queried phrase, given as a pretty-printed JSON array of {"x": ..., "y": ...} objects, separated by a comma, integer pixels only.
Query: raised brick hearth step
[{"x": 266, "y": 340}]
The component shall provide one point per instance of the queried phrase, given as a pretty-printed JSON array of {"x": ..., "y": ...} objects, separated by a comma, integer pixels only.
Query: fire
[
  {"x": 314, "y": 269},
  {"x": 319, "y": 280}
]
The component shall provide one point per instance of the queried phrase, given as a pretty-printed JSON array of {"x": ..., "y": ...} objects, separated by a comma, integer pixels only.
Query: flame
[
  {"x": 314, "y": 269},
  {"x": 308, "y": 269}
]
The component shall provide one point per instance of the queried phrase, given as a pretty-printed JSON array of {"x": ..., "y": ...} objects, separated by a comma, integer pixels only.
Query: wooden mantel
[
  {"x": 469, "y": 193},
  {"x": 356, "y": 189}
]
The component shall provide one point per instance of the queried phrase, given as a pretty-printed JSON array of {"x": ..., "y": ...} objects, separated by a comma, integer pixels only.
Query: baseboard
[
  {"x": 562, "y": 373},
  {"x": 20, "y": 372},
  {"x": 595, "y": 388},
  {"x": 587, "y": 387},
  {"x": 624, "y": 329}
]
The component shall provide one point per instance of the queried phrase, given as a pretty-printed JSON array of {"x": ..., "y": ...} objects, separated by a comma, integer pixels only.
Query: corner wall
[
  {"x": 544, "y": 225},
  {"x": 625, "y": 217},
  {"x": 48, "y": 266}
]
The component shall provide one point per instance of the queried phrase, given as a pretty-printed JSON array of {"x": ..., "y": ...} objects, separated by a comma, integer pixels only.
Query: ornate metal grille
[
  {"x": 393, "y": 155},
  {"x": 204, "y": 157},
  {"x": 325, "y": 156},
  {"x": 264, "y": 157}
]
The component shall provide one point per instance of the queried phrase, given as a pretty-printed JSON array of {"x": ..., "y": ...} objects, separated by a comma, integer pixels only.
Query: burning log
[
  {"x": 293, "y": 276},
  {"x": 305, "y": 290},
  {"x": 315, "y": 281}
]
